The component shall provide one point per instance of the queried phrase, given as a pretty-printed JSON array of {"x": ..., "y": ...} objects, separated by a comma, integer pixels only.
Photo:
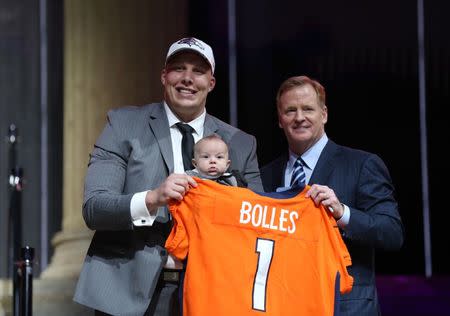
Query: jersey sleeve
[
  {"x": 178, "y": 242},
  {"x": 340, "y": 252}
]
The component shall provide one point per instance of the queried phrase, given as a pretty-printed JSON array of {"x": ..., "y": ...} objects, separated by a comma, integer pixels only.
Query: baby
[{"x": 211, "y": 161}]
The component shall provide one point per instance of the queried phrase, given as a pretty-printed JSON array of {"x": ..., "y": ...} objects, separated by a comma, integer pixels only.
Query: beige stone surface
[
  {"x": 114, "y": 52},
  {"x": 50, "y": 297}
]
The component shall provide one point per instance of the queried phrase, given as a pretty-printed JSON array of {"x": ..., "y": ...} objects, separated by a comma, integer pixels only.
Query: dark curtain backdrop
[
  {"x": 20, "y": 103},
  {"x": 365, "y": 54}
]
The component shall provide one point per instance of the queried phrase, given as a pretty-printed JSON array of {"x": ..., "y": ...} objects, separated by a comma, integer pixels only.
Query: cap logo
[{"x": 191, "y": 42}]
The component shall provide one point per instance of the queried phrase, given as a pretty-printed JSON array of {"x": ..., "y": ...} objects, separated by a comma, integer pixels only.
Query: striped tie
[{"x": 298, "y": 175}]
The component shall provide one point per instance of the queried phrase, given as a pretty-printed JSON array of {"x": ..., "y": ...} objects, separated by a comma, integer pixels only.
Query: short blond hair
[
  {"x": 211, "y": 137},
  {"x": 299, "y": 81}
]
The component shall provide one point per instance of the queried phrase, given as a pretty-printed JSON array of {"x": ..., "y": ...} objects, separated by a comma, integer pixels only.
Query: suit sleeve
[
  {"x": 252, "y": 170},
  {"x": 105, "y": 207},
  {"x": 244, "y": 158},
  {"x": 375, "y": 220}
]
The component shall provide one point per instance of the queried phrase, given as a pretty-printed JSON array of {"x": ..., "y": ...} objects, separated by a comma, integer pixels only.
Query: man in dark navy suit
[{"x": 354, "y": 185}]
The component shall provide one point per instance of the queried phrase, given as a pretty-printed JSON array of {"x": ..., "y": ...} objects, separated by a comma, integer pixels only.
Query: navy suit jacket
[{"x": 362, "y": 182}]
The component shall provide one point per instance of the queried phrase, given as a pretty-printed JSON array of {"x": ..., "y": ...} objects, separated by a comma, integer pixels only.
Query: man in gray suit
[
  {"x": 135, "y": 168},
  {"x": 354, "y": 185}
]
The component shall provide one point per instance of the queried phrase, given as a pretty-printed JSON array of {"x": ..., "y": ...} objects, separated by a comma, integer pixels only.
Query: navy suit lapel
[
  {"x": 272, "y": 174},
  {"x": 160, "y": 127},
  {"x": 279, "y": 170},
  {"x": 325, "y": 165}
]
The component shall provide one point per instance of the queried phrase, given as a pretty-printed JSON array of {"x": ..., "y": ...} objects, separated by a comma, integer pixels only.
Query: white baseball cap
[{"x": 193, "y": 44}]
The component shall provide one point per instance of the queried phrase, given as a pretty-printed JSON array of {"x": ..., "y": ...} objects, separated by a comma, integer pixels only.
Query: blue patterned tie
[{"x": 298, "y": 175}]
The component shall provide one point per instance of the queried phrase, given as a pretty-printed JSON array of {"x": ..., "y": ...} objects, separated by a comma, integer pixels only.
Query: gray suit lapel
[
  {"x": 160, "y": 127},
  {"x": 210, "y": 126}
]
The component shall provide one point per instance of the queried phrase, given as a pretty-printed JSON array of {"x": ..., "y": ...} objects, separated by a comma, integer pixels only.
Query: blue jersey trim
[{"x": 290, "y": 192}]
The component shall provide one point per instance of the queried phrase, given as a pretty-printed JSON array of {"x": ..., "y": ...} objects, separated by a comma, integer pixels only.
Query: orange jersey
[{"x": 251, "y": 254}]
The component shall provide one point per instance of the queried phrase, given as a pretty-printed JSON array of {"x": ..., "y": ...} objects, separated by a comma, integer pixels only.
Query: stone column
[
  {"x": 113, "y": 55},
  {"x": 114, "y": 51}
]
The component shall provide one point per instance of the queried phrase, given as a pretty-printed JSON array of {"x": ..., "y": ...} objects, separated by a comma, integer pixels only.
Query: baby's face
[{"x": 212, "y": 157}]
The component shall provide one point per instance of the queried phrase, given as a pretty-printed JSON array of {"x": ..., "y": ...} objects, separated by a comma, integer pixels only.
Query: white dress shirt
[{"x": 140, "y": 215}]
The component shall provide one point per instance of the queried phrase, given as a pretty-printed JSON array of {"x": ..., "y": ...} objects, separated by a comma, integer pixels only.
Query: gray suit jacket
[
  {"x": 134, "y": 154},
  {"x": 362, "y": 182}
]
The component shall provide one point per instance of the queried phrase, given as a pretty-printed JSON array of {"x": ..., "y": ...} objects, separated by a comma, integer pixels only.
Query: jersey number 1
[{"x": 264, "y": 248}]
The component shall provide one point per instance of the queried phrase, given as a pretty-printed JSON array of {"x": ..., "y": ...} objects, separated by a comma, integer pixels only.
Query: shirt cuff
[
  {"x": 139, "y": 212},
  {"x": 173, "y": 263},
  {"x": 345, "y": 219}
]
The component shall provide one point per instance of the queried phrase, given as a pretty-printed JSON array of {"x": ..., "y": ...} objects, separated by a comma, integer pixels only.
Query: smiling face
[
  {"x": 187, "y": 80},
  {"x": 211, "y": 156},
  {"x": 302, "y": 117}
]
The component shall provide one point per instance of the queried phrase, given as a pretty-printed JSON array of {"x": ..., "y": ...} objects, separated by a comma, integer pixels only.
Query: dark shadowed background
[{"x": 364, "y": 53}]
